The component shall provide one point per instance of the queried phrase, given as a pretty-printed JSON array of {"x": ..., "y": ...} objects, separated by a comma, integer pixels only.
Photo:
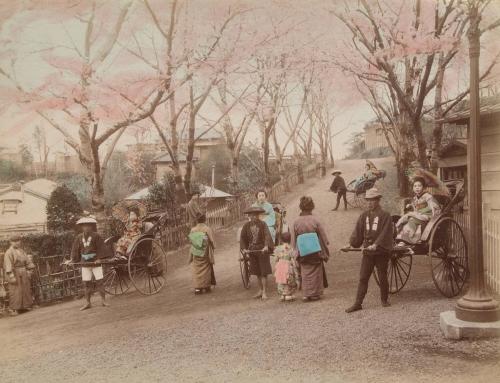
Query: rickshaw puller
[
  {"x": 88, "y": 246},
  {"x": 373, "y": 231}
]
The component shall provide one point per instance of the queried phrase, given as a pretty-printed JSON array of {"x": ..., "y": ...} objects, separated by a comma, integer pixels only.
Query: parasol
[
  {"x": 121, "y": 209},
  {"x": 434, "y": 185}
]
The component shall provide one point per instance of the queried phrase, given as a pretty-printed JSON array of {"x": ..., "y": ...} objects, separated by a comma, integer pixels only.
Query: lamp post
[{"x": 477, "y": 305}]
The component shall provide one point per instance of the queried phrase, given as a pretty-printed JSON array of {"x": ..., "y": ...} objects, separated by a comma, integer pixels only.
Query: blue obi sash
[
  {"x": 88, "y": 257},
  {"x": 308, "y": 243}
]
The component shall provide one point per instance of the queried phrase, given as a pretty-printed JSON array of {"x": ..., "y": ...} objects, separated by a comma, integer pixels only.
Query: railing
[
  {"x": 7, "y": 231},
  {"x": 491, "y": 243}
]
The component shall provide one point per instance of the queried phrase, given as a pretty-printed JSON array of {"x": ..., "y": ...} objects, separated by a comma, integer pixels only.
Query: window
[{"x": 9, "y": 206}]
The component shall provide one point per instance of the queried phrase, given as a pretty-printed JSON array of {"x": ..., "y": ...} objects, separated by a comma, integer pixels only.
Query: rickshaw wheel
[
  {"x": 448, "y": 257},
  {"x": 245, "y": 271},
  {"x": 116, "y": 279},
  {"x": 398, "y": 271},
  {"x": 147, "y": 266},
  {"x": 355, "y": 200}
]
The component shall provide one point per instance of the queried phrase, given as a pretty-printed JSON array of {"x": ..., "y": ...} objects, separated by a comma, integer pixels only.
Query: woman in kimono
[
  {"x": 201, "y": 256},
  {"x": 18, "y": 269},
  {"x": 133, "y": 229},
  {"x": 424, "y": 207},
  {"x": 269, "y": 217},
  {"x": 311, "y": 266},
  {"x": 368, "y": 174}
]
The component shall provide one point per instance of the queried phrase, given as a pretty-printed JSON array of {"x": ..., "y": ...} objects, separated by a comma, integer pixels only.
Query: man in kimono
[
  {"x": 338, "y": 186},
  {"x": 18, "y": 269},
  {"x": 374, "y": 232}
]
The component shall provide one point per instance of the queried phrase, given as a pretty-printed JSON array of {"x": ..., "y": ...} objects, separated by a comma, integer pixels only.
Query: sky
[{"x": 35, "y": 36}]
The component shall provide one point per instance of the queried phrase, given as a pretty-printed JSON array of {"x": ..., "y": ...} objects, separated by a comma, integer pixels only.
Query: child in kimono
[
  {"x": 286, "y": 269},
  {"x": 424, "y": 208}
]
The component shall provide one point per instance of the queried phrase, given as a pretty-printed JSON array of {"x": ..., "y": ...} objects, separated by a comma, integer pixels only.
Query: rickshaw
[
  {"x": 356, "y": 191},
  {"x": 442, "y": 240},
  {"x": 144, "y": 266}
]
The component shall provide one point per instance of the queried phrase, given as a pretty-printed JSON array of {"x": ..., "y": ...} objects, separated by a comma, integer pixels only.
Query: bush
[
  {"x": 44, "y": 245},
  {"x": 161, "y": 195},
  {"x": 11, "y": 172},
  {"x": 79, "y": 185},
  {"x": 63, "y": 209}
]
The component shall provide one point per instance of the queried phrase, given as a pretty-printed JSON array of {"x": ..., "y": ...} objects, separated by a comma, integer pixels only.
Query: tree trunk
[
  {"x": 190, "y": 153},
  {"x": 437, "y": 133}
]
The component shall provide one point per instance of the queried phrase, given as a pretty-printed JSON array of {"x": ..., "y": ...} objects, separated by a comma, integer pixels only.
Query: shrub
[
  {"x": 63, "y": 209},
  {"x": 44, "y": 245}
]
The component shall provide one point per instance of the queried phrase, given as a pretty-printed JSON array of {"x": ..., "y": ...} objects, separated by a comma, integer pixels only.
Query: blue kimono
[{"x": 270, "y": 219}]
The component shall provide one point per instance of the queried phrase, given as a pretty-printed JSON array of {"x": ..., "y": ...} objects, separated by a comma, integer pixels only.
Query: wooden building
[{"x": 455, "y": 157}]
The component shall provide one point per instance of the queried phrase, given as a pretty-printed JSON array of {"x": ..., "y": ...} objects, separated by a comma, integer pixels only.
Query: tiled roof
[{"x": 488, "y": 105}]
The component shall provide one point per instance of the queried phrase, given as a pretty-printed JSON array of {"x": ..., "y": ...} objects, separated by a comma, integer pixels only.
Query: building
[
  {"x": 374, "y": 136},
  {"x": 455, "y": 157},
  {"x": 205, "y": 144},
  {"x": 163, "y": 165},
  {"x": 67, "y": 163},
  {"x": 23, "y": 207},
  {"x": 213, "y": 197}
]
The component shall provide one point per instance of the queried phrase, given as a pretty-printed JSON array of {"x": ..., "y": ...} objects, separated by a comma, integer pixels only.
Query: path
[{"x": 226, "y": 336}]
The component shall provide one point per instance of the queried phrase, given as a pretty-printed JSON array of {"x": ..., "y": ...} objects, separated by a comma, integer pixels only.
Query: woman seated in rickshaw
[
  {"x": 371, "y": 173},
  {"x": 423, "y": 207},
  {"x": 134, "y": 227}
]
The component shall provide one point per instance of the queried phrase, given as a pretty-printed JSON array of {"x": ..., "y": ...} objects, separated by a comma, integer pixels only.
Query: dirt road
[{"x": 226, "y": 336}]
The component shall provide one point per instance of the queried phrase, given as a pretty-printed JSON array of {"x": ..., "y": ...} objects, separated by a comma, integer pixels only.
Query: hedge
[{"x": 44, "y": 245}]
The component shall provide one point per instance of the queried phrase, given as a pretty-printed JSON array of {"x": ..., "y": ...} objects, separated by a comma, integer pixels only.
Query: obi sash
[
  {"x": 308, "y": 243},
  {"x": 88, "y": 257}
]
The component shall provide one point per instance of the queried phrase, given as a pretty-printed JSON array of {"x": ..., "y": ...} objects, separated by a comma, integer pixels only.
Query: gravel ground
[{"x": 226, "y": 336}]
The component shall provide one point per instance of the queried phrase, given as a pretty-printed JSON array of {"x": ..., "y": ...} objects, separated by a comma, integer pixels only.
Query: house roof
[
  {"x": 208, "y": 193},
  {"x": 165, "y": 158},
  {"x": 12, "y": 196},
  {"x": 40, "y": 187},
  {"x": 488, "y": 105}
]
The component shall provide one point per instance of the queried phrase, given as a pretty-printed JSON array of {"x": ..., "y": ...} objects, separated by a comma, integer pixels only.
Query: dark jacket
[
  {"x": 373, "y": 228},
  {"x": 263, "y": 237},
  {"x": 338, "y": 184},
  {"x": 96, "y": 246}
]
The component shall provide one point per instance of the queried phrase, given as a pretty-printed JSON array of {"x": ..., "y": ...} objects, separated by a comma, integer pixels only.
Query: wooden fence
[{"x": 491, "y": 243}]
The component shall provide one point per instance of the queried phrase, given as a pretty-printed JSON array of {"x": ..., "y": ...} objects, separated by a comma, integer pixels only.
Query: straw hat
[
  {"x": 86, "y": 220},
  {"x": 373, "y": 193},
  {"x": 254, "y": 210},
  {"x": 336, "y": 171}
]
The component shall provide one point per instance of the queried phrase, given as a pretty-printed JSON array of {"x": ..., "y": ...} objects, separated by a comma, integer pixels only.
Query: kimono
[
  {"x": 424, "y": 208},
  {"x": 202, "y": 266},
  {"x": 270, "y": 218},
  {"x": 285, "y": 270},
  {"x": 18, "y": 268},
  {"x": 368, "y": 175},
  {"x": 255, "y": 235},
  {"x": 132, "y": 232},
  {"x": 312, "y": 270}
]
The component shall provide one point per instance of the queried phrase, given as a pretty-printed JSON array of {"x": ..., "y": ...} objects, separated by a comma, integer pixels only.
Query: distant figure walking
[
  {"x": 310, "y": 240},
  {"x": 338, "y": 186},
  {"x": 374, "y": 233}
]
